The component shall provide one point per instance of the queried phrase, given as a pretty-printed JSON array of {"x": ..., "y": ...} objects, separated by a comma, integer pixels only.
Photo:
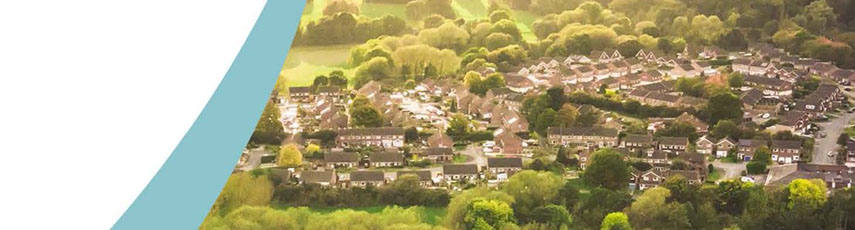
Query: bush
[{"x": 756, "y": 167}]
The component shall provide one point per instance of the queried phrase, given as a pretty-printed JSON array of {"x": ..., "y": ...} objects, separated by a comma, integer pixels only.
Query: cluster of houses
[{"x": 502, "y": 168}]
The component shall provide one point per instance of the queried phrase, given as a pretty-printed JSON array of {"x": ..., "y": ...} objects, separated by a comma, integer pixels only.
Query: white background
[{"x": 94, "y": 95}]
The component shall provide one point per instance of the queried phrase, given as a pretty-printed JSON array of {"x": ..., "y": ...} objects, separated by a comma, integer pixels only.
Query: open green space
[{"x": 430, "y": 215}]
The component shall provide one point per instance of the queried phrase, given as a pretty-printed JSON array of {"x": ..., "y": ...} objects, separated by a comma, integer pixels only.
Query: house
[
  {"x": 700, "y": 126},
  {"x": 584, "y": 136},
  {"x": 673, "y": 144},
  {"x": 601, "y": 71},
  {"x": 382, "y": 137},
  {"x": 507, "y": 165},
  {"x": 723, "y": 146},
  {"x": 369, "y": 90},
  {"x": 634, "y": 65},
  {"x": 751, "y": 98},
  {"x": 747, "y": 147},
  {"x": 795, "y": 122},
  {"x": 741, "y": 65},
  {"x": 705, "y": 145},
  {"x": 821, "y": 100},
  {"x": 684, "y": 70},
  {"x": 300, "y": 94},
  {"x": 634, "y": 142},
  {"x": 324, "y": 178},
  {"x": 440, "y": 140},
  {"x": 843, "y": 75},
  {"x": 850, "y": 153},
  {"x": 460, "y": 172},
  {"x": 367, "y": 178},
  {"x": 509, "y": 143},
  {"x": 770, "y": 86},
  {"x": 651, "y": 178},
  {"x": 425, "y": 177},
  {"x": 786, "y": 152},
  {"x": 341, "y": 159},
  {"x": 438, "y": 154},
  {"x": 692, "y": 176},
  {"x": 332, "y": 92},
  {"x": 386, "y": 159},
  {"x": 656, "y": 158},
  {"x": 519, "y": 84}
]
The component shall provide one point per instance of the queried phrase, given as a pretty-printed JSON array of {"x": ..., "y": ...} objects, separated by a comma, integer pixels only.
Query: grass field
[{"x": 431, "y": 215}]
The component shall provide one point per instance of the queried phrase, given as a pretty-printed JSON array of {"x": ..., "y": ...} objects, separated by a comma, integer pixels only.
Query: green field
[{"x": 431, "y": 215}]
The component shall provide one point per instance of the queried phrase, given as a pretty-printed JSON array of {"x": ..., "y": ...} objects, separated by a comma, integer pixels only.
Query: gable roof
[
  {"x": 456, "y": 169},
  {"x": 367, "y": 176},
  {"x": 335, "y": 157},
  {"x": 317, "y": 176},
  {"x": 509, "y": 162},
  {"x": 423, "y": 175},
  {"x": 386, "y": 157}
]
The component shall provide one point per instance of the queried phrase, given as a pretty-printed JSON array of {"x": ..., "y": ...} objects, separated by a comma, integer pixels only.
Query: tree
[
  {"x": 566, "y": 116},
  {"x": 499, "y": 15},
  {"x": 243, "y": 189},
  {"x": 458, "y": 208},
  {"x": 733, "y": 40},
  {"x": 724, "y": 106},
  {"x": 498, "y": 40},
  {"x": 532, "y": 189},
  {"x": 488, "y": 215},
  {"x": 735, "y": 80},
  {"x": 313, "y": 150},
  {"x": 616, "y": 221},
  {"x": 366, "y": 116},
  {"x": 459, "y": 126},
  {"x": 806, "y": 193},
  {"x": 725, "y": 128},
  {"x": 650, "y": 211},
  {"x": 337, "y": 6},
  {"x": 755, "y": 167},
  {"x": 419, "y": 9},
  {"x": 290, "y": 156},
  {"x": 843, "y": 139},
  {"x": 817, "y": 17},
  {"x": 554, "y": 216},
  {"x": 629, "y": 47},
  {"x": 607, "y": 170},
  {"x": 269, "y": 129},
  {"x": 544, "y": 121}
]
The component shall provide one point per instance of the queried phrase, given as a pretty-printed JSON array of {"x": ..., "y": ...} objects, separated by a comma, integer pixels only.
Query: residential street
[
  {"x": 473, "y": 151},
  {"x": 731, "y": 170},
  {"x": 833, "y": 128}
]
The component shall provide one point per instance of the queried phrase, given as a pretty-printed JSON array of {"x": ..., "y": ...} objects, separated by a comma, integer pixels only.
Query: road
[
  {"x": 473, "y": 152},
  {"x": 832, "y": 128},
  {"x": 731, "y": 170}
]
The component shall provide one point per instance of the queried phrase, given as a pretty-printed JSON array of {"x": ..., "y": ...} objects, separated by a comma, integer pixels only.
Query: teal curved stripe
[{"x": 183, "y": 190}]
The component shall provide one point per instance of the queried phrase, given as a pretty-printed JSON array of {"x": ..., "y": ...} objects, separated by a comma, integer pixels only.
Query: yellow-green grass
[
  {"x": 376, "y": 10},
  {"x": 332, "y": 55},
  {"x": 304, "y": 73},
  {"x": 430, "y": 215},
  {"x": 524, "y": 20}
]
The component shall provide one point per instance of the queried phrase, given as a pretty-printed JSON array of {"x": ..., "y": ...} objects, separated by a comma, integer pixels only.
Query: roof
[
  {"x": 423, "y": 175},
  {"x": 367, "y": 176},
  {"x": 783, "y": 144},
  {"x": 673, "y": 140},
  {"x": 439, "y": 139},
  {"x": 583, "y": 131},
  {"x": 317, "y": 176},
  {"x": 341, "y": 157},
  {"x": 386, "y": 157},
  {"x": 638, "y": 138},
  {"x": 456, "y": 169},
  {"x": 510, "y": 162},
  {"x": 436, "y": 151},
  {"x": 371, "y": 131},
  {"x": 303, "y": 89},
  {"x": 689, "y": 175},
  {"x": 752, "y": 143}
]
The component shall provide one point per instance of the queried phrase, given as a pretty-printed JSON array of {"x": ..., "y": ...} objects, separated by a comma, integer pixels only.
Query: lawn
[
  {"x": 304, "y": 63},
  {"x": 376, "y": 10},
  {"x": 304, "y": 73},
  {"x": 430, "y": 215}
]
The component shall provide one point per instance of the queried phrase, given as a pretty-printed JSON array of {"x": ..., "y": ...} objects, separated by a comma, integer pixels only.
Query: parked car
[
  {"x": 821, "y": 134},
  {"x": 830, "y": 153}
]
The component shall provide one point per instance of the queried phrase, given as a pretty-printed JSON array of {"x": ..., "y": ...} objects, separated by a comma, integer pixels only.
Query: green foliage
[
  {"x": 458, "y": 207},
  {"x": 607, "y": 169},
  {"x": 345, "y": 27},
  {"x": 488, "y": 215},
  {"x": 755, "y": 167},
  {"x": 650, "y": 211},
  {"x": 419, "y": 9},
  {"x": 532, "y": 189},
  {"x": 289, "y": 156},
  {"x": 735, "y": 80},
  {"x": 806, "y": 193},
  {"x": 269, "y": 129},
  {"x": 364, "y": 115},
  {"x": 724, "y": 106},
  {"x": 554, "y": 216},
  {"x": 248, "y": 217},
  {"x": 337, "y": 6},
  {"x": 616, "y": 221},
  {"x": 243, "y": 189}
]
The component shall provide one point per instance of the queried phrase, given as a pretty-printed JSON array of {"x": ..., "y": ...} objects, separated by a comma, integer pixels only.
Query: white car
[{"x": 830, "y": 153}]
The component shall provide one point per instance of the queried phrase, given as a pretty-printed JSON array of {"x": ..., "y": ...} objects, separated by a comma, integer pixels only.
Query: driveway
[
  {"x": 731, "y": 170},
  {"x": 473, "y": 152},
  {"x": 833, "y": 128}
]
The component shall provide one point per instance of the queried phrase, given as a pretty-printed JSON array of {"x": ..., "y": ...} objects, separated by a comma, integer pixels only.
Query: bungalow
[
  {"x": 741, "y": 65},
  {"x": 324, "y": 178},
  {"x": 747, "y": 147},
  {"x": 519, "y": 84},
  {"x": 692, "y": 176},
  {"x": 460, "y": 172},
  {"x": 650, "y": 77},
  {"x": 386, "y": 159},
  {"x": 619, "y": 68},
  {"x": 424, "y": 176},
  {"x": 657, "y": 98},
  {"x": 757, "y": 68},
  {"x": 383, "y": 137},
  {"x": 684, "y": 70},
  {"x": 439, "y": 154},
  {"x": 795, "y": 122},
  {"x": 341, "y": 159},
  {"x": 601, "y": 71},
  {"x": 370, "y": 89},
  {"x": 584, "y": 136},
  {"x": 656, "y": 158},
  {"x": 364, "y": 179},
  {"x": 584, "y": 73},
  {"x": 672, "y": 144},
  {"x": 786, "y": 152},
  {"x": 770, "y": 86},
  {"x": 843, "y": 75},
  {"x": 504, "y": 165},
  {"x": 440, "y": 140},
  {"x": 751, "y": 98},
  {"x": 606, "y": 56}
]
